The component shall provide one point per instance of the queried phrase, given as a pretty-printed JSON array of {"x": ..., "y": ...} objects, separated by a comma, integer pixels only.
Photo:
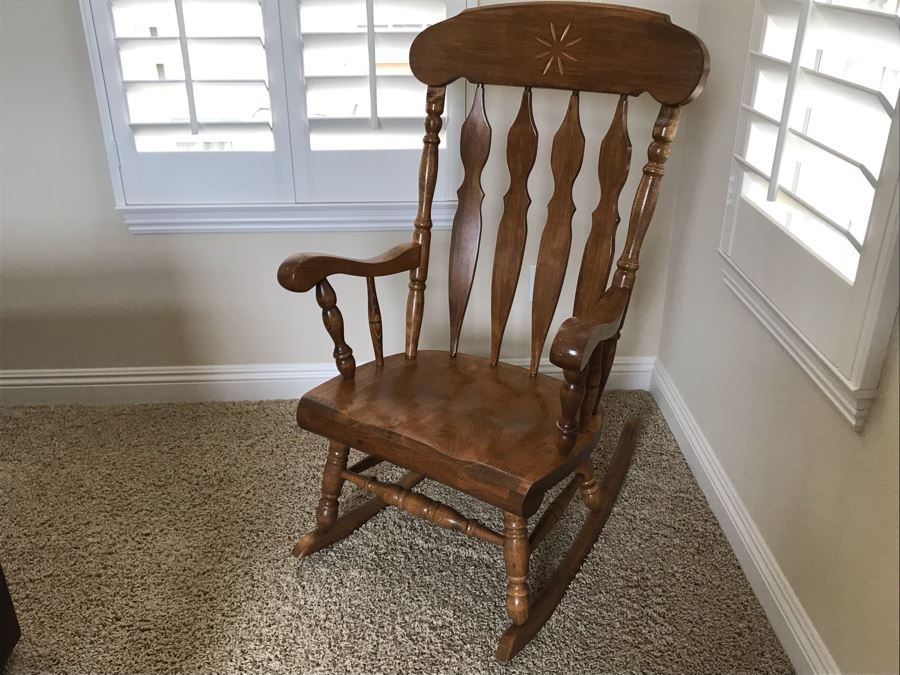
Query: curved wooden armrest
[
  {"x": 579, "y": 336},
  {"x": 302, "y": 271}
]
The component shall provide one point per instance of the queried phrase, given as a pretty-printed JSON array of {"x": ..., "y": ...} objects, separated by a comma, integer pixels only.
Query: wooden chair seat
[{"x": 476, "y": 427}]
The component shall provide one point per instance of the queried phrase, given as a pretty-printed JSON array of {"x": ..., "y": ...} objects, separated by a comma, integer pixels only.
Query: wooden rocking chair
[{"x": 497, "y": 432}]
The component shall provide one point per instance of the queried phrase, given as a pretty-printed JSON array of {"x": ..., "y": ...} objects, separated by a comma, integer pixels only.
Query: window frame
[
  {"x": 292, "y": 204},
  {"x": 874, "y": 295}
]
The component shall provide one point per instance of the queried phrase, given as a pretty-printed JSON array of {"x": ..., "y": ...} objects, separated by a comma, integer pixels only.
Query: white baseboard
[
  {"x": 789, "y": 619},
  {"x": 96, "y": 386},
  {"x": 628, "y": 372}
]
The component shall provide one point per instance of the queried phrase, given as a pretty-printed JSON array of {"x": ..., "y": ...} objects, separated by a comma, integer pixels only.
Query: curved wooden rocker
[{"x": 477, "y": 424}]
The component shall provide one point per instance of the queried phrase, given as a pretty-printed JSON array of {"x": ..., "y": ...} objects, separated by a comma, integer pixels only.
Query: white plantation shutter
[
  {"x": 363, "y": 105},
  {"x": 195, "y": 74},
  {"x": 196, "y": 99},
  {"x": 821, "y": 89},
  {"x": 359, "y": 88},
  {"x": 262, "y": 101},
  {"x": 811, "y": 222}
]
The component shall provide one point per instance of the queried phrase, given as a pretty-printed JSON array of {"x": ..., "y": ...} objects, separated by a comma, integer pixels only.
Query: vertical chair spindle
[
  {"x": 428, "y": 165},
  {"x": 334, "y": 324},
  {"x": 375, "y": 321},
  {"x": 592, "y": 387},
  {"x": 570, "y": 398},
  {"x": 647, "y": 194}
]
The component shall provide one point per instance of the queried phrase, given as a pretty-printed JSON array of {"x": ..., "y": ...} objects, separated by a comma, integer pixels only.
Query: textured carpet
[{"x": 156, "y": 539}]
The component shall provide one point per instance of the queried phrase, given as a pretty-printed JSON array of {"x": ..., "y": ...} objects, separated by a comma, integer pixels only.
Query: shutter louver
[
  {"x": 821, "y": 90},
  {"x": 360, "y": 92},
  {"x": 195, "y": 74}
]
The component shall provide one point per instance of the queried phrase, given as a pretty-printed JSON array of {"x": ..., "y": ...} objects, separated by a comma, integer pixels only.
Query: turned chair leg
[
  {"x": 515, "y": 552},
  {"x": 590, "y": 489},
  {"x": 332, "y": 482},
  {"x": 599, "y": 499}
]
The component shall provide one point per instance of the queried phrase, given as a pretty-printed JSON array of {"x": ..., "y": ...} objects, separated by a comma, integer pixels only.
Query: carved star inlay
[{"x": 556, "y": 51}]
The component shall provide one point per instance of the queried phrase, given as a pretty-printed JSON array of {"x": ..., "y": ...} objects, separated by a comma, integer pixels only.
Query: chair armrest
[
  {"x": 579, "y": 336},
  {"x": 302, "y": 271}
]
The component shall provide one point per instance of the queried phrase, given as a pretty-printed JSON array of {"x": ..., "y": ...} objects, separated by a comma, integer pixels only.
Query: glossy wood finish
[
  {"x": 578, "y": 337},
  {"x": 647, "y": 194},
  {"x": 516, "y": 553},
  {"x": 485, "y": 430},
  {"x": 565, "y": 45},
  {"x": 517, "y": 636},
  {"x": 334, "y": 324},
  {"x": 598, "y": 374},
  {"x": 424, "y": 507},
  {"x": 589, "y": 488},
  {"x": 570, "y": 398},
  {"x": 375, "y": 328},
  {"x": 597, "y": 259},
  {"x": 349, "y": 522},
  {"x": 521, "y": 151},
  {"x": 475, "y": 145},
  {"x": 556, "y": 240},
  {"x": 428, "y": 166},
  {"x": 503, "y": 434},
  {"x": 332, "y": 482},
  {"x": 592, "y": 385},
  {"x": 302, "y": 271}
]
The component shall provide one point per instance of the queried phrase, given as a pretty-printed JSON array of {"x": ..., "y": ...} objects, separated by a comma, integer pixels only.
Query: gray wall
[{"x": 825, "y": 497}]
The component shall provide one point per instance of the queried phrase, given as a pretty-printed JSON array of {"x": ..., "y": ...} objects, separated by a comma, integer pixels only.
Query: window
[
  {"x": 228, "y": 114},
  {"x": 811, "y": 225}
]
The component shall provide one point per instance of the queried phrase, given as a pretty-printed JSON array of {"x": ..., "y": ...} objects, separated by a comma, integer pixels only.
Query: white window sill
[
  {"x": 217, "y": 218},
  {"x": 851, "y": 398}
]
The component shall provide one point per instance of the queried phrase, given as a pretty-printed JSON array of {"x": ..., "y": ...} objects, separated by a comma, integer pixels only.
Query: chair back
[{"x": 577, "y": 46}]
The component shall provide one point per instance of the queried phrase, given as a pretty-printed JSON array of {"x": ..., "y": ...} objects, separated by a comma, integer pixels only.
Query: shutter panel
[
  {"x": 224, "y": 105},
  {"x": 808, "y": 215},
  {"x": 821, "y": 89},
  {"x": 364, "y": 107},
  {"x": 196, "y": 97}
]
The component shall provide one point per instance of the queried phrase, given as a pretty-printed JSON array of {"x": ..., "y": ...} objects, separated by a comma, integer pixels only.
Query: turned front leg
[
  {"x": 334, "y": 324},
  {"x": 332, "y": 482},
  {"x": 591, "y": 492},
  {"x": 515, "y": 553}
]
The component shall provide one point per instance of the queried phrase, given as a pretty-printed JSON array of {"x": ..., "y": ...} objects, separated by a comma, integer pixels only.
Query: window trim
[
  {"x": 879, "y": 271},
  {"x": 301, "y": 217},
  {"x": 295, "y": 216}
]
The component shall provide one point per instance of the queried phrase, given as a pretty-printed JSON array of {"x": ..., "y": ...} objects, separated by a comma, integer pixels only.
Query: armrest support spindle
[
  {"x": 584, "y": 348},
  {"x": 570, "y": 397},
  {"x": 375, "y": 322},
  {"x": 334, "y": 324},
  {"x": 303, "y": 271}
]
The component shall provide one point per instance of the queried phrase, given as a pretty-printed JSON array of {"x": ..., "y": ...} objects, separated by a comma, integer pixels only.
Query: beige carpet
[{"x": 156, "y": 539}]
